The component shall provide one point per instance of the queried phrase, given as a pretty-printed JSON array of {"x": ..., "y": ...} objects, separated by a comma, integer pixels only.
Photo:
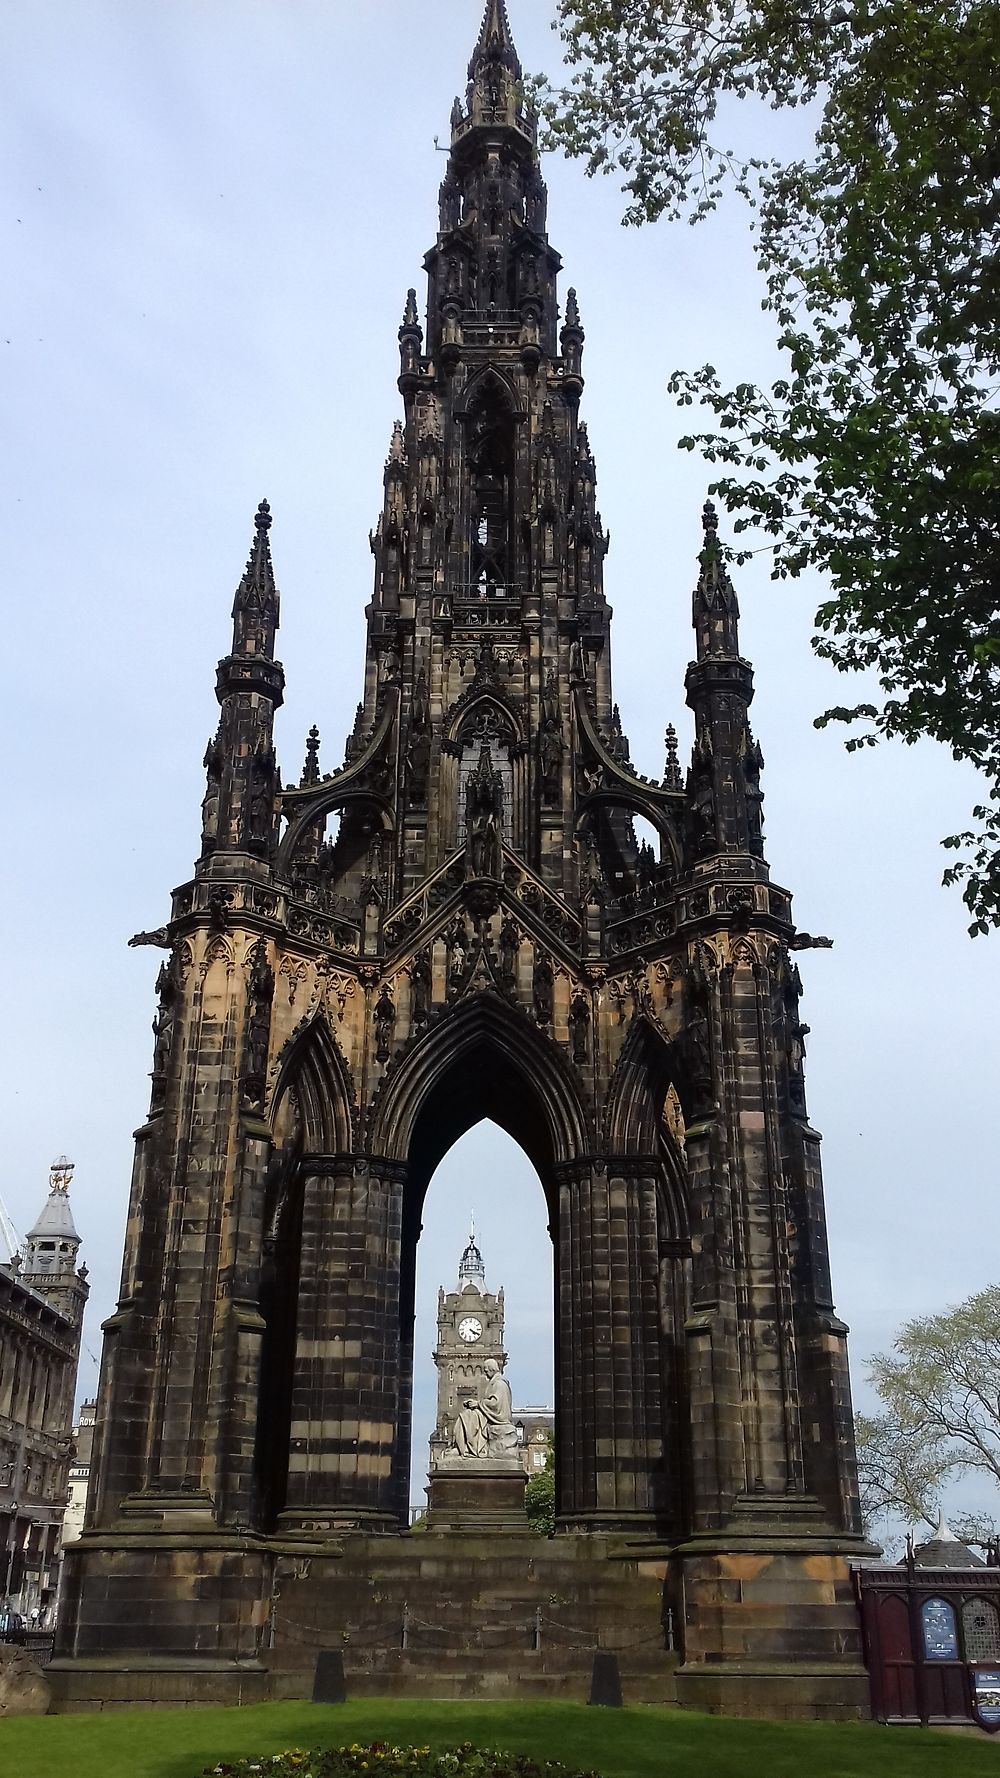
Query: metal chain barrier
[{"x": 363, "y": 1638}]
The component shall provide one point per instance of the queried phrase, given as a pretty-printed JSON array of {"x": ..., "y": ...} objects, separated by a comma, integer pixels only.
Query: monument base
[
  {"x": 771, "y": 1623},
  {"x": 477, "y": 1494}
]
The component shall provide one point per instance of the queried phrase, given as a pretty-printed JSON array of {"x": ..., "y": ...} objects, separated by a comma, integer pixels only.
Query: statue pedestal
[{"x": 477, "y": 1494}]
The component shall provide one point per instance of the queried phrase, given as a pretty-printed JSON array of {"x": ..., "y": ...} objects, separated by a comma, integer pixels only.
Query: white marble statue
[{"x": 484, "y": 1428}]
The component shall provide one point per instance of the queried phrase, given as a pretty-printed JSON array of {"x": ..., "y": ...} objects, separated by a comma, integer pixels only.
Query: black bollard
[
  {"x": 329, "y": 1684},
  {"x": 605, "y": 1680}
]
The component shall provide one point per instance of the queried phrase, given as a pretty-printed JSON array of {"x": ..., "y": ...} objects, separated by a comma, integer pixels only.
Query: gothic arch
[
  {"x": 651, "y": 809},
  {"x": 483, "y": 1059},
  {"x": 478, "y": 700},
  {"x": 324, "y": 803},
  {"x": 489, "y": 387},
  {"x": 313, "y": 1065},
  {"x": 646, "y": 1067}
]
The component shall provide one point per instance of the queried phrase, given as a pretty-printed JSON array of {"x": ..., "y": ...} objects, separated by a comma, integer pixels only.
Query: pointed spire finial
[
  {"x": 397, "y": 446},
  {"x": 495, "y": 43},
  {"x": 572, "y": 308},
  {"x": 310, "y": 769},
  {"x": 672, "y": 769},
  {"x": 715, "y": 603},
  {"x": 410, "y": 311},
  {"x": 256, "y": 598}
]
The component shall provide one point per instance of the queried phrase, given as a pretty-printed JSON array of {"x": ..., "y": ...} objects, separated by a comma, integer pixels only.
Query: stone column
[
  {"x": 345, "y": 1393},
  {"x": 609, "y": 1420}
]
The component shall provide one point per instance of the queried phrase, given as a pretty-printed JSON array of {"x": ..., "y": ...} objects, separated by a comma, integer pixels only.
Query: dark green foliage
[
  {"x": 540, "y": 1496},
  {"x": 876, "y": 458}
]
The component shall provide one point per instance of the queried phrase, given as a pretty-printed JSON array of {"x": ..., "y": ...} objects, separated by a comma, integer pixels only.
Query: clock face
[{"x": 469, "y": 1328}]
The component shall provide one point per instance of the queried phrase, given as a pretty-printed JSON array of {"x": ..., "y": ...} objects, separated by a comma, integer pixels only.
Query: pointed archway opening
[
  {"x": 485, "y": 1175},
  {"x": 484, "y": 1061}
]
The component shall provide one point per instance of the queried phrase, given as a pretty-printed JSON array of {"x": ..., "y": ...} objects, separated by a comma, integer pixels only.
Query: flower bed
[{"x": 381, "y": 1760}]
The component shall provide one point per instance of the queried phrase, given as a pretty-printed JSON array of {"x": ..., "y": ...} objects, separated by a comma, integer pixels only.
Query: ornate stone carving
[
  {"x": 541, "y": 990},
  {"x": 483, "y": 819},
  {"x": 260, "y": 994},
  {"x": 579, "y": 1027},
  {"x": 384, "y": 1017},
  {"x": 168, "y": 987},
  {"x": 421, "y": 982}
]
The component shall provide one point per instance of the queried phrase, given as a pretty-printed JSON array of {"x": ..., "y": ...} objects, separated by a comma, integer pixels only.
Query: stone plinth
[
  {"x": 771, "y": 1623},
  {"x": 477, "y": 1494}
]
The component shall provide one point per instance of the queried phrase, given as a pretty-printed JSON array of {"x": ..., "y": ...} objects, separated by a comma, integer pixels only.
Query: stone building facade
[
  {"x": 79, "y": 1472},
  {"x": 42, "y": 1299},
  {"x": 455, "y": 921}
]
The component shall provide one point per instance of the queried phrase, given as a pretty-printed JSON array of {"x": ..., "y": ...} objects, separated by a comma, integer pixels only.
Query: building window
[{"x": 980, "y": 1630}]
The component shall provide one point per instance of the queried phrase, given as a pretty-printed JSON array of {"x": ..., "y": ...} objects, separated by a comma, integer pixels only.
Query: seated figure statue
[{"x": 484, "y": 1428}]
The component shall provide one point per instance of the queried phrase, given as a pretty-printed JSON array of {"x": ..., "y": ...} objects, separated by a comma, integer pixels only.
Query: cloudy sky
[{"x": 210, "y": 215}]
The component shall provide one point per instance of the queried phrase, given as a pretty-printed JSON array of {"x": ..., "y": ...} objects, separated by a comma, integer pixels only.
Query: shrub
[{"x": 381, "y": 1760}]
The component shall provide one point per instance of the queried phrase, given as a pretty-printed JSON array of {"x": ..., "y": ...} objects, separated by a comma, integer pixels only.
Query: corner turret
[{"x": 48, "y": 1265}]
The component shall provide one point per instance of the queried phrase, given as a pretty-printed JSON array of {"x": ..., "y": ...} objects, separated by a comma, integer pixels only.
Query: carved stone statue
[
  {"x": 483, "y": 816},
  {"x": 260, "y": 993},
  {"x": 211, "y": 799},
  {"x": 421, "y": 984},
  {"x": 541, "y": 989},
  {"x": 163, "y": 1025},
  {"x": 485, "y": 1426},
  {"x": 550, "y": 750}
]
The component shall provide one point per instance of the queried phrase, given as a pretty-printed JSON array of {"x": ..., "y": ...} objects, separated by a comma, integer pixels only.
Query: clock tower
[{"x": 470, "y": 1330}]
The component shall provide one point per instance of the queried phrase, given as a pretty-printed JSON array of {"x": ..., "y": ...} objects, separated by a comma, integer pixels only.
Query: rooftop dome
[{"x": 470, "y": 1267}]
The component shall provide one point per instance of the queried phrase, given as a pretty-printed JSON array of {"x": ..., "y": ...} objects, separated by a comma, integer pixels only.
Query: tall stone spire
[
  {"x": 724, "y": 797},
  {"x": 715, "y": 610},
  {"x": 239, "y": 811},
  {"x": 256, "y": 604},
  {"x": 495, "y": 44}
]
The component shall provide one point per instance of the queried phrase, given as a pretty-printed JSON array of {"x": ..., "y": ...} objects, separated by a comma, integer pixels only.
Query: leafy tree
[
  {"x": 540, "y": 1496},
  {"x": 876, "y": 457},
  {"x": 940, "y": 1394}
]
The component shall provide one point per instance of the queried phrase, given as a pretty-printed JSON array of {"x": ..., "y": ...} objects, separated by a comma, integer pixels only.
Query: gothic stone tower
[{"x": 456, "y": 922}]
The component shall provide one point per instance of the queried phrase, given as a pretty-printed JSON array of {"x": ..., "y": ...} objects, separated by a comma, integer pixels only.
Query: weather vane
[{"x": 60, "y": 1174}]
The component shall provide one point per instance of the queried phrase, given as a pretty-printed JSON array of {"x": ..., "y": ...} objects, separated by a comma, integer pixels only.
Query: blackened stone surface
[
  {"x": 479, "y": 936},
  {"x": 605, "y": 1680},
  {"x": 329, "y": 1684}
]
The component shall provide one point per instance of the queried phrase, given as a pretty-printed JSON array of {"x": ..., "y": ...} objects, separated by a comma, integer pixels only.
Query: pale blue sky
[{"x": 209, "y": 216}]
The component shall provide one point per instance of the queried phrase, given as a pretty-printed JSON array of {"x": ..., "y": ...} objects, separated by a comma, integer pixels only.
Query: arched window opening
[
  {"x": 491, "y": 544},
  {"x": 980, "y": 1630},
  {"x": 647, "y": 851},
  {"x": 481, "y": 1291}
]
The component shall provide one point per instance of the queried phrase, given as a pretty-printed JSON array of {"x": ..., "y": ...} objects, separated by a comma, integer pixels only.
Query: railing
[{"x": 478, "y": 608}]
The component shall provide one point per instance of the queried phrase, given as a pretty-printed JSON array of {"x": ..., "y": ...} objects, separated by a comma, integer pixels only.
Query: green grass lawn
[{"x": 630, "y": 1743}]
